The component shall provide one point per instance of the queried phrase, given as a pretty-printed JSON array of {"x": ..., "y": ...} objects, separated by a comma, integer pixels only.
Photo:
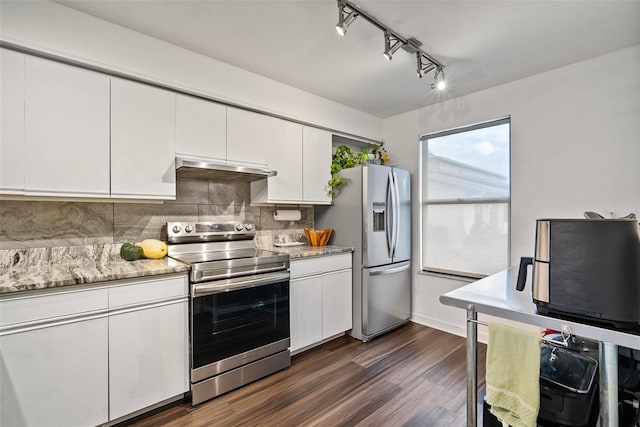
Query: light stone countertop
[
  {"x": 41, "y": 268},
  {"x": 305, "y": 251}
]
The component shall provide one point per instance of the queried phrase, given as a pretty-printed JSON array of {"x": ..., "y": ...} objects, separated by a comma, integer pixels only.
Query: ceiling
[{"x": 482, "y": 43}]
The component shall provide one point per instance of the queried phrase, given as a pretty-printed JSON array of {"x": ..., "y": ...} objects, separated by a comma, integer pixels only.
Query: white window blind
[{"x": 465, "y": 198}]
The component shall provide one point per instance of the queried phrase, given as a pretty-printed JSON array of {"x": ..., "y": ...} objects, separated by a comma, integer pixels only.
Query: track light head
[
  {"x": 344, "y": 18},
  {"x": 422, "y": 68},
  {"x": 391, "y": 45},
  {"x": 439, "y": 81}
]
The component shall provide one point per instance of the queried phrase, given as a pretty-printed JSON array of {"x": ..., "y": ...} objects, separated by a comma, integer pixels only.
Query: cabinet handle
[{"x": 48, "y": 323}]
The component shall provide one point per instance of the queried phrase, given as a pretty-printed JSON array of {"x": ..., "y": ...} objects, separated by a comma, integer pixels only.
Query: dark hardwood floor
[{"x": 413, "y": 376}]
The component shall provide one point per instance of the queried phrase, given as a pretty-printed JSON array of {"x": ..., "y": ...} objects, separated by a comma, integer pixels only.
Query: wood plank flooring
[{"x": 413, "y": 376}]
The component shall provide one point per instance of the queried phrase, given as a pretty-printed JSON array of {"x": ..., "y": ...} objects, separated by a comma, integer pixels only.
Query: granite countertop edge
[
  {"x": 42, "y": 272},
  {"x": 307, "y": 251},
  {"x": 19, "y": 279}
]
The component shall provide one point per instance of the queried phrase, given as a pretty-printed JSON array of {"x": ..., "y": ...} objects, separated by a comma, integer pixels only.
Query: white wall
[
  {"x": 575, "y": 147},
  {"x": 58, "y": 30}
]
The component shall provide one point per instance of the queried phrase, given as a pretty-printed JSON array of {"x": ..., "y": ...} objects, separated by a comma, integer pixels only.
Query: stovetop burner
[{"x": 220, "y": 250}]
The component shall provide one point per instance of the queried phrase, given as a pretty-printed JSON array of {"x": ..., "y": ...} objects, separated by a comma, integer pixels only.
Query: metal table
[{"x": 496, "y": 295}]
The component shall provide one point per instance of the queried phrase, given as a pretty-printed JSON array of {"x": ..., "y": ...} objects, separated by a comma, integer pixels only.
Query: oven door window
[{"x": 230, "y": 323}]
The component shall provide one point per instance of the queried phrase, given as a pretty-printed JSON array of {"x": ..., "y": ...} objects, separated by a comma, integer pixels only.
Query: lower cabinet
[
  {"x": 306, "y": 312},
  {"x": 321, "y": 295},
  {"x": 90, "y": 356},
  {"x": 148, "y": 361},
  {"x": 55, "y": 375}
]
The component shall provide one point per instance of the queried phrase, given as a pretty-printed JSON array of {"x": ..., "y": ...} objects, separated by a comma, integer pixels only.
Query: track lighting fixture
[
  {"x": 346, "y": 15},
  {"x": 423, "y": 67},
  {"x": 438, "y": 80},
  {"x": 391, "y": 45},
  {"x": 348, "y": 12}
]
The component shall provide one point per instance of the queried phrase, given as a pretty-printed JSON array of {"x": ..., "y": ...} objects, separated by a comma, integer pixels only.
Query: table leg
[
  {"x": 472, "y": 366},
  {"x": 608, "y": 385}
]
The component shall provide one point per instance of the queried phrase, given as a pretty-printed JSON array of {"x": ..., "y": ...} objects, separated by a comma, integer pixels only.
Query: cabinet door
[
  {"x": 248, "y": 136},
  {"x": 148, "y": 357},
  {"x": 201, "y": 128},
  {"x": 336, "y": 303},
  {"x": 316, "y": 172},
  {"x": 66, "y": 130},
  {"x": 306, "y": 312},
  {"x": 55, "y": 376},
  {"x": 285, "y": 156},
  {"x": 12, "y": 157},
  {"x": 142, "y": 141}
]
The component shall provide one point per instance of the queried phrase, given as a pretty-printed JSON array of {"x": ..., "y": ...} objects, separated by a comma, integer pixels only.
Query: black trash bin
[{"x": 568, "y": 390}]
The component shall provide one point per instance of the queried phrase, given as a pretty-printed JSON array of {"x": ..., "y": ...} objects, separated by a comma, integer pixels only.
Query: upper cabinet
[
  {"x": 70, "y": 132},
  {"x": 302, "y": 157},
  {"x": 142, "y": 141},
  {"x": 201, "y": 128},
  {"x": 247, "y": 136},
  {"x": 12, "y": 155},
  {"x": 66, "y": 130},
  {"x": 55, "y": 129},
  {"x": 316, "y": 158},
  {"x": 285, "y": 157}
]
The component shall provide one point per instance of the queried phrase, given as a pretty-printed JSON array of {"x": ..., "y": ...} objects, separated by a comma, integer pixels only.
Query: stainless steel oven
[{"x": 239, "y": 306}]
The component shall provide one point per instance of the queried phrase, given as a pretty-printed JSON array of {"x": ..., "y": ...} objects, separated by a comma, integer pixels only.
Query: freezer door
[
  {"x": 402, "y": 183},
  {"x": 386, "y": 297},
  {"x": 377, "y": 215}
]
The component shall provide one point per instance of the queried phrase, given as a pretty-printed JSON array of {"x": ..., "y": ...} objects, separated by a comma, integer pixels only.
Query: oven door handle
[{"x": 228, "y": 285}]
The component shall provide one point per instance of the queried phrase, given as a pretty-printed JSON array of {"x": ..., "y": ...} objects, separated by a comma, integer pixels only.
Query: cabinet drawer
[
  {"x": 336, "y": 262},
  {"x": 46, "y": 306},
  {"x": 306, "y": 267},
  {"x": 148, "y": 290}
]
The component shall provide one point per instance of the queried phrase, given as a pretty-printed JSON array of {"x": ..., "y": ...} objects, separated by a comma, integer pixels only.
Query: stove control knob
[
  {"x": 239, "y": 227},
  {"x": 248, "y": 227},
  {"x": 188, "y": 228},
  {"x": 176, "y": 228}
]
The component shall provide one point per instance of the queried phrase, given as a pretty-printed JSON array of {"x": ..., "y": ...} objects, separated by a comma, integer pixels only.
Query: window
[{"x": 465, "y": 199}]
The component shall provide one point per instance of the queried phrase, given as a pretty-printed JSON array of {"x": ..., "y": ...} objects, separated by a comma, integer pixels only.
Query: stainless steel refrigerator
[{"x": 373, "y": 214}]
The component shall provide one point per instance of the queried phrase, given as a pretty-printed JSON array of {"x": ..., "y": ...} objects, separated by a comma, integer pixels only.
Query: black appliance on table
[{"x": 588, "y": 269}]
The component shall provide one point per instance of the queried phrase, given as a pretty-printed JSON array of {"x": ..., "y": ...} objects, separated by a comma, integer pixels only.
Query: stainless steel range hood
[{"x": 212, "y": 169}]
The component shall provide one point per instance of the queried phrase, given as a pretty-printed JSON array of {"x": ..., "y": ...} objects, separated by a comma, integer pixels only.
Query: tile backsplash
[{"x": 29, "y": 224}]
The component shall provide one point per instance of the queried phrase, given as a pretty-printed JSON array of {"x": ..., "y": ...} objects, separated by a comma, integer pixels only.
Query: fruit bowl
[{"x": 318, "y": 237}]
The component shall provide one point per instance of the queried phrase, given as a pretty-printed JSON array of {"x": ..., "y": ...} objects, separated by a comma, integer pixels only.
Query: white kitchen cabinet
[
  {"x": 305, "y": 312},
  {"x": 284, "y": 156},
  {"x": 12, "y": 155},
  {"x": 148, "y": 344},
  {"x": 248, "y": 136},
  {"x": 302, "y": 157},
  {"x": 316, "y": 172},
  {"x": 66, "y": 130},
  {"x": 336, "y": 303},
  {"x": 201, "y": 128},
  {"x": 321, "y": 296},
  {"x": 53, "y": 353},
  {"x": 94, "y": 355},
  {"x": 142, "y": 141}
]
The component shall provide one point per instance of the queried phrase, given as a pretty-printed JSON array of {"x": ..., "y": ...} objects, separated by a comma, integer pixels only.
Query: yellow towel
[{"x": 513, "y": 375}]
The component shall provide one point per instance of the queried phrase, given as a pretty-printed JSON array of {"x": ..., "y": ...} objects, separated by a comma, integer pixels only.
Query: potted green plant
[{"x": 345, "y": 157}]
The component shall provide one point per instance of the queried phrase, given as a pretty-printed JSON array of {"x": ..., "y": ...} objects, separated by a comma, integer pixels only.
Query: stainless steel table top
[{"x": 496, "y": 295}]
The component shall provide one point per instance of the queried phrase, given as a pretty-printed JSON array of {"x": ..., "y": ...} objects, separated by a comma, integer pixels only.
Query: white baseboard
[{"x": 451, "y": 328}]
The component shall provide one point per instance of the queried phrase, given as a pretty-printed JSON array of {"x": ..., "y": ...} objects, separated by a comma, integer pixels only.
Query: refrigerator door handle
[
  {"x": 389, "y": 201},
  {"x": 390, "y": 270},
  {"x": 396, "y": 214}
]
